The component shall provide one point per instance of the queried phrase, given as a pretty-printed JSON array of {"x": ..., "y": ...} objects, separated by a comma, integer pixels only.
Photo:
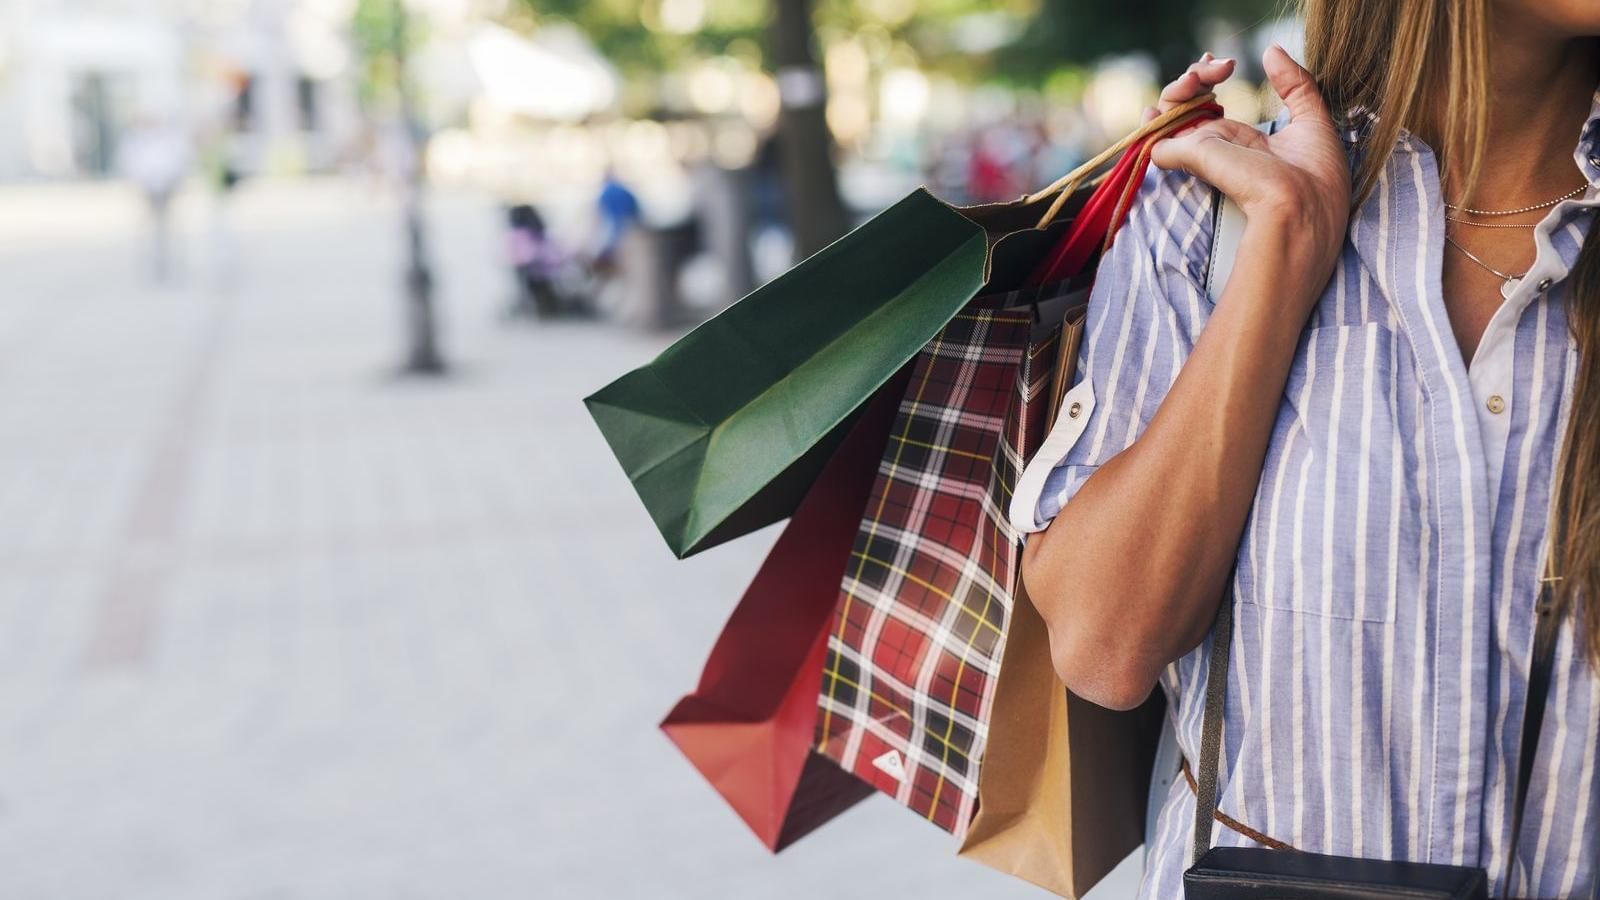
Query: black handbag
[{"x": 1233, "y": 872}]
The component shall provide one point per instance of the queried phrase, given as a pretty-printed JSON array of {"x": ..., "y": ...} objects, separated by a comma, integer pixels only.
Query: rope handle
[{"x": 1161, "y": 125}]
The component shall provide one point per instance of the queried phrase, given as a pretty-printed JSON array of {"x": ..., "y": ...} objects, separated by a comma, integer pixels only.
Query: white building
[{"x": 272, "y": 79}]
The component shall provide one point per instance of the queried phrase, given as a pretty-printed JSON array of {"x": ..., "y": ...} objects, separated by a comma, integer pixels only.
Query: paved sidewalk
[{"x": 275, "y": 623}]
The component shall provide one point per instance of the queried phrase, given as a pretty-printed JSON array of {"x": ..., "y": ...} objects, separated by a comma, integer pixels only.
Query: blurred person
[
  {"x": 1051, "y": 155},
  {"x": 989, "y": 176},
  {"x": 618, "y": 211},
  {"x": 1370, "y": 446},
  {"x": 156, "y": 156},
  {"x": 536, "y": 260},
  {"x": 223, "y": 174},
  {"x": 947, "y": 166}
]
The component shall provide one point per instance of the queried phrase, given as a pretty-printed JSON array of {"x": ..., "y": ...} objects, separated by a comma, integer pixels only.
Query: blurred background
[{"x": 315, "y": 579}]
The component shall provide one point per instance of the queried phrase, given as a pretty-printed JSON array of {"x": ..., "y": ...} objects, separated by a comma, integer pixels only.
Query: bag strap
[
  {"x": 1205, "y": 804},
  {"x": 1227, "y": 226},
  {"x": 1545, "y": 631}
]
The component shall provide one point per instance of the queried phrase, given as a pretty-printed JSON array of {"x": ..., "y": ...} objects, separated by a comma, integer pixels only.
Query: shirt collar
[{"x": 1588, "y": 153}]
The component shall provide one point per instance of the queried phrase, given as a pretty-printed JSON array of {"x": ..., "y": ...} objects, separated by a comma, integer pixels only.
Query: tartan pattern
[{"x": 920, "y": 625}]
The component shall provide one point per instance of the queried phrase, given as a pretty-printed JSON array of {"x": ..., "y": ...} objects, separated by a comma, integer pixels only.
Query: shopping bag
[
  {"x": 920, "y": 633},
  {"x": 1063, "y": 786},
  {"x": 748, "y": 724},
  {"x": 724, "y": 431},
  {"x": 926, "y": 597}
]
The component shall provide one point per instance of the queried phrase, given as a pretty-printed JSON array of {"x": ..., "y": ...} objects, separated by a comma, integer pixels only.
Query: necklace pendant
[{"x": 1509, "y": 286}]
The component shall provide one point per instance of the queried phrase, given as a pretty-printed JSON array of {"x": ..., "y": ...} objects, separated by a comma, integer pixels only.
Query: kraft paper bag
[{"x": 1063, "y": 788}]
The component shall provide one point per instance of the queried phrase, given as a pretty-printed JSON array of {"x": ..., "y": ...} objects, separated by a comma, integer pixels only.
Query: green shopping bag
[{"x": 724, "y": 431}]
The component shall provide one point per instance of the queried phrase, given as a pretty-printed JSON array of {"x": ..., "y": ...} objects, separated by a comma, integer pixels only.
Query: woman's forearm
[{"x": 1129, "y": 575}]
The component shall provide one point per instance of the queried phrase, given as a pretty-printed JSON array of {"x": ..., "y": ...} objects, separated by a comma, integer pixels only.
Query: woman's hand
[
  {"x": 1297, "y": 179},
  {"x": 1167, "y": 512}
]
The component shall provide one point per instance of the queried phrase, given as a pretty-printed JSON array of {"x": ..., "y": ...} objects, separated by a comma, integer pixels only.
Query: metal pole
[{"x": 422, "y": 357}]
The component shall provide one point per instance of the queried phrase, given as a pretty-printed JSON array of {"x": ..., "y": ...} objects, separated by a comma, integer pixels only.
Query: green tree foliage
[
  {"x": 638, "y": 36},
  {"x": 633, "y": 35},
  {"x": 376, "y": 30},
  {"x": 1082, "y": 31}
]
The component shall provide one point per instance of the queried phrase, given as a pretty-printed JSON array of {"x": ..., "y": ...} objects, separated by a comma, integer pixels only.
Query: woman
[{"x": 1359, "y": 443}]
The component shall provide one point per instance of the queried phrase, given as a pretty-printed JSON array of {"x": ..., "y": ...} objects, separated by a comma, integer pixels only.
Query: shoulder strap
[
  {"x": 1227, "y": 225},
  {"x": 1205, "y": 805},
  {"x": 1546, "y": 629}
]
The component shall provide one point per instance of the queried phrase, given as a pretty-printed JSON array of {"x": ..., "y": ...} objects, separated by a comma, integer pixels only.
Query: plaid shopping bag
[{"x": 919, "y": 629}]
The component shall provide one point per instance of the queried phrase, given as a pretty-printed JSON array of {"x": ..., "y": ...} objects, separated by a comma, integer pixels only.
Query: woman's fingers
[
  {"x": 1229, "y": 130},
  {"x": 1221, "y": 152},
  {"x": 1293, "y": 83},
  {"x": 1201, "y": 77}
]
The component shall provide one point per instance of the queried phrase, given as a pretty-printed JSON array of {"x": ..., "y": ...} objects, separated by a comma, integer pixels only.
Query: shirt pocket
[{"x": 1331, "y": 493}]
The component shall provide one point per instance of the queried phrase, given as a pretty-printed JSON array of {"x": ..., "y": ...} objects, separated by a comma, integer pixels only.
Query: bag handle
[
  {"x": 1066, "y": 184},
  {"x": 1096, "y": 224}
]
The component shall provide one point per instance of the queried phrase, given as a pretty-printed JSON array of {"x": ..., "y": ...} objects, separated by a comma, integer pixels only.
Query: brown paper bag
[{"x": 1064, "y": 784}]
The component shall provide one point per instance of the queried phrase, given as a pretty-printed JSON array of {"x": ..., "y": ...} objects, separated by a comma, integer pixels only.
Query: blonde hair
[
  {"x": 1423, "y": 65},
  {"x": 1406, "y": 62}
]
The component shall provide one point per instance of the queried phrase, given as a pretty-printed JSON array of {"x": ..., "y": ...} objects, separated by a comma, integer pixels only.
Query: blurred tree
[
  {"x": 1084, "y": 31},
  {"x": 805, "y": 148},
  {"x": 644, "y": 38},
  {"x": 661, "y": 35}
]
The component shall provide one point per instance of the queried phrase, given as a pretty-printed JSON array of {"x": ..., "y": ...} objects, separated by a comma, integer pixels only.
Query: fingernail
[
  {"x": 1223, "y": 60},
  {"x": 1206, "y": 56}
]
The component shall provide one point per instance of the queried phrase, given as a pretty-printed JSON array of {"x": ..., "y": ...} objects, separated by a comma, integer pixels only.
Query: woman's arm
[{"x": 1129, "y": 575}]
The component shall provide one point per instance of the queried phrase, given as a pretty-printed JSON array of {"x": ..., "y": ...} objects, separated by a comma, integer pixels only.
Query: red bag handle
[{"x": 1097, "y": 223}]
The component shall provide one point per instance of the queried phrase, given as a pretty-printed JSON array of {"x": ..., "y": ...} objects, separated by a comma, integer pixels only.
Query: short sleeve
[{"x": 1146, "y": 310}]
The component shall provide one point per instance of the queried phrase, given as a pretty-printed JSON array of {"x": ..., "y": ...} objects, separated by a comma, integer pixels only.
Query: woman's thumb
[{"x": 1294, "y": 84}]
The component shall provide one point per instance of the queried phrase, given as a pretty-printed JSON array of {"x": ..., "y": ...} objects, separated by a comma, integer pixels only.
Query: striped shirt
[{"x": 1389, "y": 569}]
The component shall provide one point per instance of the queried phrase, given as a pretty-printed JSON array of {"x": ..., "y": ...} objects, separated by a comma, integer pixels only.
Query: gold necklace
[
  {"x": 1511, "y": 212},
  {"x": 1488, "y": 224},
  {"x": 1508, "y": 281}
]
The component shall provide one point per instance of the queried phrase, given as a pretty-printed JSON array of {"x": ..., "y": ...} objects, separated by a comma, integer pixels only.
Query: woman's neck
[{"x": 1541, "y": 92}]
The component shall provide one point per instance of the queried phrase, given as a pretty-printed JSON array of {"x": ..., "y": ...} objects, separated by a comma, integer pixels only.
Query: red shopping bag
[{"x": 748, "y": 724}]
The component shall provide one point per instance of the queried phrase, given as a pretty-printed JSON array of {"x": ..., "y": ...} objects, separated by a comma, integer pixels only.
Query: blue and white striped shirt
[{"x": 1388, "y": 573}]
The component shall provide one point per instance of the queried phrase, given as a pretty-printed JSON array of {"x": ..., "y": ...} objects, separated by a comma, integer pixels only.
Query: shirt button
[
  {"x": 1544, "y": 285},
  {"x": 1496, "y": 404},
  {"x": 1075, "y": 410}
]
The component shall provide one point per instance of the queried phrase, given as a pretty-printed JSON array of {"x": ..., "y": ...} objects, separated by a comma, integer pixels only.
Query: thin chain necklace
[
  {"x": 1511, "y": 212},
  {"x": 1508, "y": 281},
  {"x": 1488, "y": 224}
]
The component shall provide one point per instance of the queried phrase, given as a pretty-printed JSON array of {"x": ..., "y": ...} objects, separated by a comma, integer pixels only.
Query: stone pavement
[{"x": 275, "y": 623}]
